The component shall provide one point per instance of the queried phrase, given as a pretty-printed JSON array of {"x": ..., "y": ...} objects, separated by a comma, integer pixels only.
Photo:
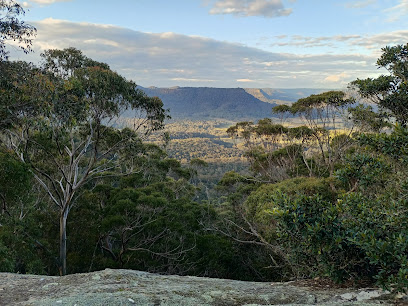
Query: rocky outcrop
[{"x": 125, "y": 287}]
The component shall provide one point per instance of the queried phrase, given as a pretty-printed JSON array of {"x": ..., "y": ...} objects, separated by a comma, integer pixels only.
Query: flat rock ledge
[{"x": 126, "y": 287}]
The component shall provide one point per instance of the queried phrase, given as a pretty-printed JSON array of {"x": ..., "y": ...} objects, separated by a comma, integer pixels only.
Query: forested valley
[{"x": 82, "y": 189}]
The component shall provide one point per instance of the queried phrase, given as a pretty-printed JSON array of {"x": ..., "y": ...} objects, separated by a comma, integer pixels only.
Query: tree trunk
[{"x": 63, "y": 243}]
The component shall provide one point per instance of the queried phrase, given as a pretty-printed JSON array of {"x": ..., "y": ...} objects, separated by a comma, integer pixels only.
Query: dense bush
[
  {"x": 311, "y": 231},
  {"x": 379, "y": 229},
  {"x": 350, "y": 237}
]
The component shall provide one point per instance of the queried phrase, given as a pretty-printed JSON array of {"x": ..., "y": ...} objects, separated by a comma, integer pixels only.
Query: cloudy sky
[{"x": 225, "y": 43}]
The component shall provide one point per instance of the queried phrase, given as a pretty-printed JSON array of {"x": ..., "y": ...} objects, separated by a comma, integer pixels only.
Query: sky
[{"x": 224, "y": 43}]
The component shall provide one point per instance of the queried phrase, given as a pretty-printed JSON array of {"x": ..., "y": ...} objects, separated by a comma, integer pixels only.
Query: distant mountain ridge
[
  {"x": 205, "y": 103},
  {"x": 282, "y": 96}
]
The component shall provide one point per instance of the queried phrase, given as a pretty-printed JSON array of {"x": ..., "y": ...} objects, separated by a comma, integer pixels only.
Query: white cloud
[
  {"x": 169, "y": 59},
  {"x": 377, "y": 41},
  {"x": 245, "y": 81},
  {"x": 369, "y": 42},
  {"x": 309, "y": 41},
  {"x": 192, "y": 80},
  {"x": 243, "y": 8},
  {"x": 336, "y": 78},
  {"x": 398, "y": 11},
  {"x": 47, "y": 2},
  {"x": 25, "y": 4},
  {"x": 360, "y": 4}
]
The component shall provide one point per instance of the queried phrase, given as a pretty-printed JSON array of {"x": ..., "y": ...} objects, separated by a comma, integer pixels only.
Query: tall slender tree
[{"x": 71, "y": 140}]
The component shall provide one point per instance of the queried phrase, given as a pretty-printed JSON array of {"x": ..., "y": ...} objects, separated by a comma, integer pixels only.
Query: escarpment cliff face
[
  {"x": 125, "y": 287},
  {"x": 205, "y": 103},
  {"x": 282, "y": 96}
]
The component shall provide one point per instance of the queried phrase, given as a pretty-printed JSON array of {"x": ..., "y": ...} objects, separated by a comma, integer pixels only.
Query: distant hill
[
  {"x": 205, "y": 103},
  {"x": 282, "y": 96}
]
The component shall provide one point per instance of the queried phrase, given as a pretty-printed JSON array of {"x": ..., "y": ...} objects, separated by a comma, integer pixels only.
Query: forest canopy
[{"x": 79, "y": 192}]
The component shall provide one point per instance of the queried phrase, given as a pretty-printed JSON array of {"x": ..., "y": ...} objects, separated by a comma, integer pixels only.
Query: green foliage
[
  {"x": 279, "y": 164},
  {"x": 231, "y": 178},
  {"x": 313, "y": 103},
  {"x": 301, "y": 132},
  {"x": 13, "y": 29},
  {"x": 366, "y": 119},
  {"x": 87, "y": 89},
  {"x": 353, "y": 237},
  {"x": 390, "y": 92},
  {"x": 66, "y": 62},
  {"x": 147, "y": 221},
  {"x": 379, "y": 227},
  {"x": 317, "y": 204},
  {"x": 24, "y": 91},
  {"x": 21, "y": 248},
  {"x": 236, "y": 187},
  {"x": 302, "y": 185},
  {"x": 241, "y": 129},
  {"x": 277, "y": 152},
  {"x": 67, "y": 138},
  {"x": 310, "y": 229},
  {"x": 153, "y": 228},
  {"x": 394, "y": 145},
  {"x": 336, "y": 99},
  {"x": 363, "y": 171},
  {"x": 15, "y": 179},
  {"x": 283, "y": 108},
  {"x": 339, "y": 235},
  {"x": 196, "y": 162},
  {"x": 262, "y": 199},
  {"x": 6, "y": 261},
  {"x": 265, "y": 127}
]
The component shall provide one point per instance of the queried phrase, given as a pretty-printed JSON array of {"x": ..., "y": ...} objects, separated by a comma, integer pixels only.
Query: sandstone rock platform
[{"x": 126, "y": 287}]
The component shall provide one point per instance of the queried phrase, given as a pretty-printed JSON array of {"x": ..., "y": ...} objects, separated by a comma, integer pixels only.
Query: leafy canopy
[
  {"x": 389, "y": 92},
  {"x": 13, "y": 29}
]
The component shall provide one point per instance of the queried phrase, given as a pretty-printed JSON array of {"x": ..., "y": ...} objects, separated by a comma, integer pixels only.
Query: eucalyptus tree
[
  {"x": 389, "y": 92},
  {"x": 324, "y": 115},
  {"x": 275, "y": 152},
  {"x": 13, "y": 29},
  {"x": 71, "y": 139}
]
